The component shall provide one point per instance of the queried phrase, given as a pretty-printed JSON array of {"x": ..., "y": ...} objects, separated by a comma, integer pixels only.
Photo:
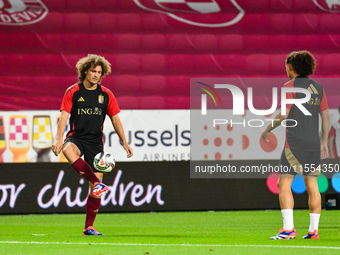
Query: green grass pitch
[{"x": 232, "y": 232}]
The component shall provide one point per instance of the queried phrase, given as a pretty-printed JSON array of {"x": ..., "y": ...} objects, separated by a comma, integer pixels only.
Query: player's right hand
[{"x": 56, "y": 147}]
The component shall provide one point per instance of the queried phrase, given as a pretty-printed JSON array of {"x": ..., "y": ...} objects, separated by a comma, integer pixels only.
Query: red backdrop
[{"x": 156, "y": 46}]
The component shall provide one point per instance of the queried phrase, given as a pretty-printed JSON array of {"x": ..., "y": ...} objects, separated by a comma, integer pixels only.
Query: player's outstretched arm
[
  {"x": 324, "y": 133},
  {"x": 118, "y": 126},
  {"x": 58, "y": 143}
]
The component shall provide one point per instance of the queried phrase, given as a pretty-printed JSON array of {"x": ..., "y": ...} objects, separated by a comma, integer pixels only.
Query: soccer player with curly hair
[
  {"x": 88, "y": 103},
  {"x": 303, "y": 150}
]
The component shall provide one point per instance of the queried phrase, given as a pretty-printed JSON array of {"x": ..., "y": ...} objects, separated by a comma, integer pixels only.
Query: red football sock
[
  {"x": 85, "y": 170},
  {"x": 92, "y": 207}
]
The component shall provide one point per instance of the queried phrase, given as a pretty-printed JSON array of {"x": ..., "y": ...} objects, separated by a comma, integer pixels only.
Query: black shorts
[
  {"x": 88, "y": 150},
  {"x": 300, "y": 162}
]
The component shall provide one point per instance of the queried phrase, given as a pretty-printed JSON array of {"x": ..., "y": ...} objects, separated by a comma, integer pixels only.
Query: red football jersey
[{"x": 88, "y": 109}]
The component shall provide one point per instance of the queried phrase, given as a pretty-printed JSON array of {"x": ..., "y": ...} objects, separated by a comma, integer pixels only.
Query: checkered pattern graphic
[
  {"x": 42, "y": 132},
  {"x": 18, "y": 132},
  {"x": 2, "y": 135},
  {"x": 200, "y": 6},
  {"x": 2, "y": 139}
]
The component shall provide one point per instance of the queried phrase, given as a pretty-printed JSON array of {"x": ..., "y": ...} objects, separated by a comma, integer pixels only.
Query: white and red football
[{"x": 104, "y": 162}]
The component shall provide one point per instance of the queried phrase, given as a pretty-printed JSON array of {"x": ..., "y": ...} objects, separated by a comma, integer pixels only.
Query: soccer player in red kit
[
  {"x": 88, "y": 103},
  {"x": 303, "y": 149}
]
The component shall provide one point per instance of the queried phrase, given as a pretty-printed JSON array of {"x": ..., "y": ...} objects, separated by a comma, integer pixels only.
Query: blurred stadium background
[{"x": 154, "y": 47}]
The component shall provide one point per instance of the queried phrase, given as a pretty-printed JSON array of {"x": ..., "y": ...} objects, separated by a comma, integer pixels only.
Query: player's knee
[
  {"x": 279, "y": 184},
  {"x": 312, "y": 185},
  {"x": 67, "y": 150},
  {"x": 64, "y": 150},
  {"x": 283, "y": 186},
  {"x": 313, "y": 191}
]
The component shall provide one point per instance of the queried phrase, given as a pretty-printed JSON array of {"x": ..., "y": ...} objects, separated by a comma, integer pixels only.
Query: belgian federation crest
[
  {"x": 203, "y": 13},
  {"x": 328, "y": 5},
  {"x": 21, "y": 12},
  {"x": 101, "y": 99}
]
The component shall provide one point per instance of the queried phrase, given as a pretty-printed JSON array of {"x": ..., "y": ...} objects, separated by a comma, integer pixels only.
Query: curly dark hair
[
  {"x": 85, "y": 63},
  {"x": 302, "y": 62}
]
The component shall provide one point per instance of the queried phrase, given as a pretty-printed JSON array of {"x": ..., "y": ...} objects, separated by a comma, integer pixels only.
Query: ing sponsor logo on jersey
[
  {"x": 204, "y": 13},
  {"x": 21, "y": 12},
  {"x": 328, "y": 5},
  {"x": 90, "y": 111},
  {"x": 81, "y": 99}
]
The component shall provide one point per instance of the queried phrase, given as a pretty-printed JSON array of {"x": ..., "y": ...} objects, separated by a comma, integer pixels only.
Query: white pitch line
[{"x": 181, "y": 245}]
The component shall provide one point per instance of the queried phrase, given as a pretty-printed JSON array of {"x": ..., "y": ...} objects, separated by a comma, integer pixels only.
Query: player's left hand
[
  {"x": 323, "y": 151},
  {"x": 128, "y": 150},
  {"x": 265, "y": 135}
]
